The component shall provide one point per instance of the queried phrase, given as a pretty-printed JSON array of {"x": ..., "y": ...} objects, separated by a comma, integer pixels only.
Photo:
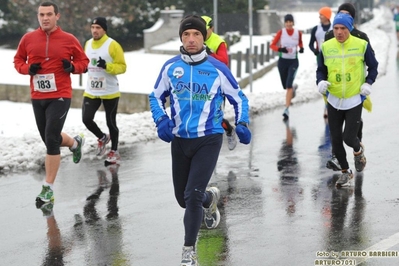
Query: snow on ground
[{"x": 23, "y": 149}]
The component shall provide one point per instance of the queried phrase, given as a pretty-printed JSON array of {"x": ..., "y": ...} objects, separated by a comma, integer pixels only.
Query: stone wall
[
  {"x": 164, "y": 30},
  {"x": 269, "y": 22},
  {"x": 129, "y": 103},
  {"x": 167, "y": 26}
]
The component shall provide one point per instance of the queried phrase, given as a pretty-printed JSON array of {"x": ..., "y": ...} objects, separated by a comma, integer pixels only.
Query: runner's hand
[
  {"x": 243, "y": 133},
  {"x": 33, "y": 68},
  {"x": 165, "y": 126},
  {"x": 67, "y": 65},
  {"x": 283, "y": 50},
  {"x": 365, "y": 89},
  {"x": 101, "y": 63},
  {"x": 323, "y": 86}
]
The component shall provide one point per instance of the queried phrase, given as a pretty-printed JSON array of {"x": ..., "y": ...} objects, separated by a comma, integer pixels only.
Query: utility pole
[
  {"x": 250, "y": 43},
  {"x": 215, "y": 16}
]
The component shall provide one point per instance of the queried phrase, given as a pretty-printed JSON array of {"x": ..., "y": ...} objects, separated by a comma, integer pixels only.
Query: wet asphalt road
[{"x": 279, "y": 205}]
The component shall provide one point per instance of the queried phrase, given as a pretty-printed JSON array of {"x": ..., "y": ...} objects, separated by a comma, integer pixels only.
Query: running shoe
[
  {"x": 189, "y": 257},
  {"x": 333, "y": 164},
  {"x": 77, "y": 152},
  {"x": 286, "y": 114},
  {"x": 101, "y": 146},
  {"x": 360, "y": 160},
  {"x": 46, "y": 195},
  {"x": 345, "y": 179},
  {"x": 113, "y": 157},
  {"x": 46, "y": 208},
  {"x": 212, "y": 214},
  {"x": 231, "y": 140},
  {"x": 294, "y": 88}
]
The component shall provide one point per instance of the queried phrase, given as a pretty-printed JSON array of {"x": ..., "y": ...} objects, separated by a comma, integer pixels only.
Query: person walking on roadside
[
  {"x": 217, "y": 47},
  {"x": 348, "y": 8},
  {"x": 107, "y": 60},
  {"x": 289, "y": 39},
  {"x": 196, "y": 85},
  {"x": 317, "y": 36},
  {"x": 49, "y": 55},
  {"x": 342, "y": 77}
]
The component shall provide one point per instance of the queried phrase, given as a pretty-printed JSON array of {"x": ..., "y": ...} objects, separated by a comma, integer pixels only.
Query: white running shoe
[
  {"x": 113, "y": 157},
  {"x": 189, "y": 257},
  {"x": 286, "y": 114},
  {"x": 212, "y": 214},
  {"x": 345, "y": 179},
  {"x": 232, "y": 140},
  {"x": 101, "y": 146}
]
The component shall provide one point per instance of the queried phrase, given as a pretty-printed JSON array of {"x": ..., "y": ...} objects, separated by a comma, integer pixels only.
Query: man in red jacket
[{"x": 49, "y": 55}]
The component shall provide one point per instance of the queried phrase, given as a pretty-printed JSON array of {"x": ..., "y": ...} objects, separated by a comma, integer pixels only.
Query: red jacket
[{"x": 49, "y": 50}]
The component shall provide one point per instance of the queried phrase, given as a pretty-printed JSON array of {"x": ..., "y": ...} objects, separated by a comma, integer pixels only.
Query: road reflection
[
  {"x": 54, "y": 255},
  {"x": 342, "y": 209},
  {"x": 325, "y": 147},
  {"x": 289, "y": 169},
  {"x": 102, "y": 238},
  {"x": 346, "y": 230}
]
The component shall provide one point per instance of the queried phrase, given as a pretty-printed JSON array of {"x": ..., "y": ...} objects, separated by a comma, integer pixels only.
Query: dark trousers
[
  {"x": 89, "y": 109},
  {"x": 50, "y": 115},
  {"x": 193, "y": 162},
  {"x": 287, "y": 69},
  {"x": 352, "y": 120}
]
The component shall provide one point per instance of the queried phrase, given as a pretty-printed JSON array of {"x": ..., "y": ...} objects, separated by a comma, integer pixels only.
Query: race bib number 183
[{"x": 44, "y": 82}]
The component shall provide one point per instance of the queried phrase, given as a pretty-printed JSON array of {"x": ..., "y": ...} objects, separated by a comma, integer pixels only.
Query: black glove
[
  {"x": 101, "y": 63},
  {"x": 208, "y": 51},
  {"x": 316, "y": 52},
  {"x": 283, "y": 50},
  {"x": 68, "y": 67},
  {"x": 33, "y": 68},
  {"x": 301, "y": 50}
]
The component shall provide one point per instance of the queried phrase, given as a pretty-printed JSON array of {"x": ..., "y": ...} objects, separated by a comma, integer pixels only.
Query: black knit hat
[
  {"x": 348, "y": 7},
  {"x": 100, "y": 21},
  {"x": 193, "y": 22},
  {"x": 288, "y": 17}
]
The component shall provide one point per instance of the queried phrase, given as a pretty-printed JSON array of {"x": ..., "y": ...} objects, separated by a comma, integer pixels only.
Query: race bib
[
  {"x": 44, "y": 83},
  {"x": 292, "y": 50},
  {"x": 97, "y": 83}
]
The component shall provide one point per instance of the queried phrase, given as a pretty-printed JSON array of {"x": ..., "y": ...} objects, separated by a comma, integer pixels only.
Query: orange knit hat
[{"x": 325, "y": 11}]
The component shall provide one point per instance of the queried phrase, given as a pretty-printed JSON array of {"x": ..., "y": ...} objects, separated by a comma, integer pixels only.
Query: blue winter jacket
[{"x": 196, "y": 91}]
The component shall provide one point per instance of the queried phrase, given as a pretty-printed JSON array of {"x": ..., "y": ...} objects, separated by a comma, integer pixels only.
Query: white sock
[
  {"x": 48, "y": 184},
  {"x": 75, "y": 144}
]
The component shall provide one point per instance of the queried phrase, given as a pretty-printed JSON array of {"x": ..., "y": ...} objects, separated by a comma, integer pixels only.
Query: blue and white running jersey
[{"x": 196, "y": 92}]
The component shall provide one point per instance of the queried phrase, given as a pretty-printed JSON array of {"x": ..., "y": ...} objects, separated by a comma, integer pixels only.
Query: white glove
[
  {"x": 365, "y": 89},
  {"x": 322, "y": 86}
]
